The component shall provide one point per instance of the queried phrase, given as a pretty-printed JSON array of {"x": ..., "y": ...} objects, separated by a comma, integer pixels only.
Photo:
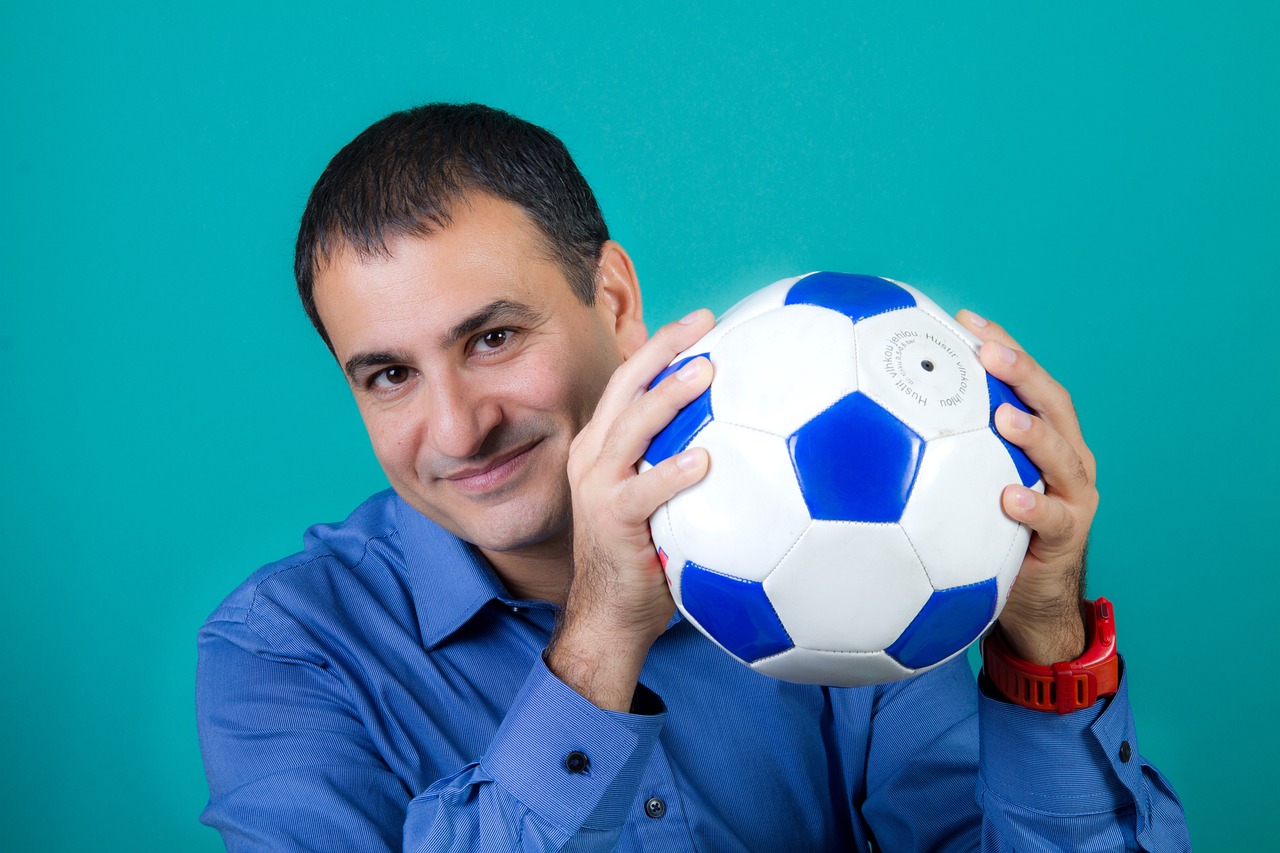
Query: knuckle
[
  {"x": 1090, "y": 464},
  {"x": 1067, "y": 527},
  {"x": 1080, "y": 472},
  {"x": 1062, "y": 398}
]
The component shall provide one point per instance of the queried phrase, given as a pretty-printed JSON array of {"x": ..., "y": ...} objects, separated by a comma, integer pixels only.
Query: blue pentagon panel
[
  {"x": 855, "y": 296},
  {"x": 687, "y": 423},
  {"x": 736, "y": 612},
  {"x": 950, "y": 620},
  {"x": 856, "y": 462},
  {"x": 999, "y": 393}
]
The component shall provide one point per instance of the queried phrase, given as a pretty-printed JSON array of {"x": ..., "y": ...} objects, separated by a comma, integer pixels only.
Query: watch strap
[{"x": 1065, "y": 686}]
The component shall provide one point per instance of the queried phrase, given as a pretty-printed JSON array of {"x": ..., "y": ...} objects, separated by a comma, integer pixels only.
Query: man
[{"x": 487, "y": 657}]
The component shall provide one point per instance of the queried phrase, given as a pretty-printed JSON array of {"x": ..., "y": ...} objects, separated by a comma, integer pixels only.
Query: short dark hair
[{"x": 404, "y": 173}]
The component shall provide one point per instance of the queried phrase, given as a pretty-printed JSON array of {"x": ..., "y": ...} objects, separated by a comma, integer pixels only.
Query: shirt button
[
  {"x": 577, "y": 762},
  {"x": 1126, "y": 751},
  {"x": 655, "y": 808}
]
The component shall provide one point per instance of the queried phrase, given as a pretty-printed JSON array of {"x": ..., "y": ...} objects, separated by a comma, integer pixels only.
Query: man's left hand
[{"x": 1041, "y": 620}]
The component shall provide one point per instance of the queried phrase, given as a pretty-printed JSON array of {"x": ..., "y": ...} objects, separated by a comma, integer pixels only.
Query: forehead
[{"x": 491, "y": 250}]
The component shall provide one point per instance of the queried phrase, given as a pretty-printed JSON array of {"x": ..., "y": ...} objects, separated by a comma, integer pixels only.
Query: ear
[{"x": 618, "y": 298}]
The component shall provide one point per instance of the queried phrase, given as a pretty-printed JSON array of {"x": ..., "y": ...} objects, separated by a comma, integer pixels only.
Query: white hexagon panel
[
  {"x": 835, "y": 669},
  {"x": 813, "y": 344},
  {"x": 954, "y": 518},
  {"x": 916, "y": 368},
  {"x": 753, "y": 305},
  {"x": 747, "y": 513},
  {"x": 927, "y": 305},
  {"x": 848, "y": 573}
]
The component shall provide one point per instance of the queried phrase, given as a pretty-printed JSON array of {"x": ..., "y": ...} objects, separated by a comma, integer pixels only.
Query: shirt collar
[{"x": 449, "y": 579}]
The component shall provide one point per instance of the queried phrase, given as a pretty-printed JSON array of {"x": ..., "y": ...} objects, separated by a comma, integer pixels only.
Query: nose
[{"x": 461, "y": 415}]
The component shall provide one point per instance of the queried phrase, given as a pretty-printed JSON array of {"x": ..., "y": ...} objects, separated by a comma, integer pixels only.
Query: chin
[
  {"x": 514, "y": 528},
  {"x": 520, "y": 537}
]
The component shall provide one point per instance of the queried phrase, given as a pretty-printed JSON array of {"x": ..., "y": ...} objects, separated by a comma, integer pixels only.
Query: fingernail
[
  {"x": 1021, "y": 420},
  {"x": 687, "y": 460},
  {"x": 976, "y": 320},
  {"x": 1005, "y": 354},
  {"x": 1024, "y": 498},
  {"x": 690, "y": 317},
  {"x": 690, "y": 370}
]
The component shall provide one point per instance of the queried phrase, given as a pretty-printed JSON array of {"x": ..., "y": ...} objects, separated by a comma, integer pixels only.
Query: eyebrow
[
  {"x": 496, "y": 312},
  {"x": 366, "y": 360}
]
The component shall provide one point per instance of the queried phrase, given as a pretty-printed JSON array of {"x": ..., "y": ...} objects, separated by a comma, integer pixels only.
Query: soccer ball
[{"x": 849, "y": 531}]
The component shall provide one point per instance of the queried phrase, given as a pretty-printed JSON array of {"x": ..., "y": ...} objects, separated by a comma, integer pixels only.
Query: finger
[
  {"x": 1005, "y": 360},
  {"x": 1052, "y": 519},
  {"x": 985, "y": 329},
  {"x": 631, "y": 433},
  {"x": 644, "y": 493},
  {"x": 1031, "y": 382},
  {"x": 1061, "y": 466},
  {"x": 632, "y": 378}
]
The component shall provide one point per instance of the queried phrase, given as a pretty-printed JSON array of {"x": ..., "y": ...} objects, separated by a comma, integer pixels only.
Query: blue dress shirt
[{"x": 381, "y": 690}]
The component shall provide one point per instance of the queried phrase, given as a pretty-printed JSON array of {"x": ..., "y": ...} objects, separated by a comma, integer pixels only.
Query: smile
[{"x": 494, "y": 474}]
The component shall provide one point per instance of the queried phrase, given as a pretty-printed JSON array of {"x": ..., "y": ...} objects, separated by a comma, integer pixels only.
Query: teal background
[{"x": 1102, "y": 179}]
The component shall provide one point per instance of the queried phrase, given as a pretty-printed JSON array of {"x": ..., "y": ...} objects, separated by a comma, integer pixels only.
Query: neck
[{"x": 539, "y": 572}]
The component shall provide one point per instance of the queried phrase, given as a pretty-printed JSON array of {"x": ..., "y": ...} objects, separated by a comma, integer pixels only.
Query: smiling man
[
  {"x": 486, "y": 657},
  {"x": 474, "y": 366}
]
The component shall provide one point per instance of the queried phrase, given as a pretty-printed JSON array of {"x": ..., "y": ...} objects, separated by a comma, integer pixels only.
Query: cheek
[
  {"x": 393, "y": 439},
  {"x": 572, "y": 393},
  {"x": 590, "y": 367}
]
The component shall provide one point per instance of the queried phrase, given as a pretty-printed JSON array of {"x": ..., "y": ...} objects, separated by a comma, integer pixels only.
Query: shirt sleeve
[
  {"x": 289, "y": 763},
  {"x": 560, "y": 774},
  {"x": 291, "y": 766},
  {"x": 1077, "y": 780},
  {"x": 1043, "y": 781}
]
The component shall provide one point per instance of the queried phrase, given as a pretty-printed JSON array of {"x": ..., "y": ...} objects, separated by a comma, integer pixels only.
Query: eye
[
  {"x": 492, "y": 340},
  {"x": 390, "y": 377}
]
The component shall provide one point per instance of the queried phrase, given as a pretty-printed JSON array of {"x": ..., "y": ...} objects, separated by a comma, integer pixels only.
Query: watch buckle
[{"x": 1074, "y": 688}]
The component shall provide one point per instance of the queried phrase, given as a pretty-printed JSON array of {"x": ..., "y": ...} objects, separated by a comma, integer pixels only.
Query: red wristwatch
[{"x": 1065, "y": 686}]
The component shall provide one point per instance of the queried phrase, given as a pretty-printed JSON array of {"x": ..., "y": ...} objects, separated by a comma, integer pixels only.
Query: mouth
[{"x": 495, "y": 473}]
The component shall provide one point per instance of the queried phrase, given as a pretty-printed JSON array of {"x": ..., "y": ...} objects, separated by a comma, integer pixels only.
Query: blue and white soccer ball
[{"x": 849, "y": 531}]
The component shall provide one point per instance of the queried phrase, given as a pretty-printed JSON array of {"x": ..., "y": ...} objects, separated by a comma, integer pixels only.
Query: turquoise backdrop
[{"x": 1101, "y": 178}]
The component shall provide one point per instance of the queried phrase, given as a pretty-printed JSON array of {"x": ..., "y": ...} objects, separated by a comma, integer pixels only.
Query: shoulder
[{"x": 363, "y": 551}]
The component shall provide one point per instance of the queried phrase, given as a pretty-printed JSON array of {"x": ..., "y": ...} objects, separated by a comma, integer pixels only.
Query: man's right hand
[{"x": 618, "y": 601}]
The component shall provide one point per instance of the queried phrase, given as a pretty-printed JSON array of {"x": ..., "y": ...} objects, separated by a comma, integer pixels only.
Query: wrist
[
  {"x": 1047, "y": 636},
  {"x": 602, "y": 667},
  {"x": 1066, "y": 685}
]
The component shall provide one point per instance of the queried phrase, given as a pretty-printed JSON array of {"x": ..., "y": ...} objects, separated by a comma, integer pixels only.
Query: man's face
[{"x": 474, "y": 365}]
